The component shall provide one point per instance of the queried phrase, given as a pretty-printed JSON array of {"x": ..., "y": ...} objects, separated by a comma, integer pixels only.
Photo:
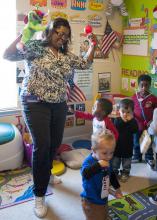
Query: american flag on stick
[
  {"x": 108, "y": 39},
  {"x": 74, "y": 93}
]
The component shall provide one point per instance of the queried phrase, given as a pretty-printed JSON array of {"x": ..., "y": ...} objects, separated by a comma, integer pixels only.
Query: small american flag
[
  {"x": 74, "y": 93},
  {"x": 108, "y": 39}
]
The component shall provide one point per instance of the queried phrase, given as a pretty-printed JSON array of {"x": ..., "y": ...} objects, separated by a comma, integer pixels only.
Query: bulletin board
[{"x": 135, "y": 62}]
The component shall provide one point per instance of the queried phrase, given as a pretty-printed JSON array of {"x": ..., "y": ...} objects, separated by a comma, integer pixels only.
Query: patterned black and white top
[{"x": 46, "y": 75}]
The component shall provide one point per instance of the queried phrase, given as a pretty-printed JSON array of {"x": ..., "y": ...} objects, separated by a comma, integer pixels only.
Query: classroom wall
[
  {"x": 140, "y": 18},
  {"x": 111, "y": 64}
]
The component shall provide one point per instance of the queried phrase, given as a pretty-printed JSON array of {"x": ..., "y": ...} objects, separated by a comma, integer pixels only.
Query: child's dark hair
[
  {"x": 106, "y": 105},
  {"x": 126, "y": 103},
  {"x": 144, "y": 77}
]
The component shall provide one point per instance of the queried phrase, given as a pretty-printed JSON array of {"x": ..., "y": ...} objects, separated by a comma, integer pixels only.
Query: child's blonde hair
[{"x": 96, "y": 138}]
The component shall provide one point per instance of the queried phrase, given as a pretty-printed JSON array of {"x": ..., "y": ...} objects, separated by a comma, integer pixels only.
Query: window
[{"x": 8, "y": 86}]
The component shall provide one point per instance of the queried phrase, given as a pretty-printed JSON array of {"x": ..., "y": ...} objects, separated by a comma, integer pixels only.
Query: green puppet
[{"x": 34, "y": 23}]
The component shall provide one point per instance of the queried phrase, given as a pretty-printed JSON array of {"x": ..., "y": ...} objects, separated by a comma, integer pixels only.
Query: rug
[
  {"x": 16, "y": 187},
  {"x": 134, "y": 206}
]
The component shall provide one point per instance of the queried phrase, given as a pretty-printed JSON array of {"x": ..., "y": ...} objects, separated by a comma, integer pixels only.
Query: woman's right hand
[{"x": 103, "y": 163}]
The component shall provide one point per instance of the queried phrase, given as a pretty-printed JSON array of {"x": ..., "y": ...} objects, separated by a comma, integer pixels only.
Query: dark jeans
[
  {"x": 45, "y": 122},
  {"x": 126, "y": 165},
  {"x": 137, "y": 154}
]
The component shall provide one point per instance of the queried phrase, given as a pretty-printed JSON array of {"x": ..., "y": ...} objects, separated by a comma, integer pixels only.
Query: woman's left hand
[{"x": 92, "y": 39}]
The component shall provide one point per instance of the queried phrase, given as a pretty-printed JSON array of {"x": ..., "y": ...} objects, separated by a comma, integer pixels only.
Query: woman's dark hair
[
  {"x": 126, "y": 103},
  {"x": 144, "y": 77},
  {"x": 106, "y": 105},
  {"x": 51, "y": 27}
]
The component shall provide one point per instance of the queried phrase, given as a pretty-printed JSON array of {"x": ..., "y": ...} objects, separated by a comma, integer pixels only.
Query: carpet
[
  {"x": 134, "y": 206},
  {"x": 16, "y": 187}
]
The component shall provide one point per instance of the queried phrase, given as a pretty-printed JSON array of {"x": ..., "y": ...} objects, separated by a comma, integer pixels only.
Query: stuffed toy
[
  {"x": 118, "y": 4},
  {"x": 153, "y": 54},
  {"x": 33, "y": 23}
]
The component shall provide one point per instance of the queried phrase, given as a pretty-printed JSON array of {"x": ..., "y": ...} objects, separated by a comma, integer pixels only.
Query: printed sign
[
  {"x": 135, "y": 42},
  {"x": 78, "y": 4},
  {"x": 58, "y": 14},
  {"x": 60, "y": 4},
  {"x": 95, "y": 20},
  {"x": 40, "y": 3},
  {"x": 96, "y": 5}
]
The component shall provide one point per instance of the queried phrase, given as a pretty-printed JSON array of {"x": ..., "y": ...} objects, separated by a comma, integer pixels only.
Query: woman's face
[{"x": 60, "y": 36}]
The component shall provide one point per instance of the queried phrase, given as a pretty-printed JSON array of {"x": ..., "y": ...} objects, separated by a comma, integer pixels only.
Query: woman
[{"x": 48, "y": 68}]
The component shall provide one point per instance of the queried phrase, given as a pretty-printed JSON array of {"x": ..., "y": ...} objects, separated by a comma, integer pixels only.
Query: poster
[
  {"x": 84, "y": 46},
  {"x": 135, "y": 42},
  {"x": 104, "y": 82},
  {"x": 84, "y": 80}
]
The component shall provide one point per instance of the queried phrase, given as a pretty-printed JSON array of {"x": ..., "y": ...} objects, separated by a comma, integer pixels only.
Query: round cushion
[
  {"x": 7, "y": 133},
  {"x": 82, "y": 144},
  {"x": 58, "y": 168},
  {"x": 63, "y": 147}
]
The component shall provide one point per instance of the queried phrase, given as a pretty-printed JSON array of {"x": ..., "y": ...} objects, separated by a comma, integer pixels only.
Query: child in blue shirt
[{"x": 97, "y": 175}]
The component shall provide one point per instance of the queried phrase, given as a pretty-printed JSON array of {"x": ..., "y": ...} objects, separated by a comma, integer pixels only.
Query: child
[
  {"x": 101, "y": 109},
  {"x": 144, "y": 105},
  {"x": 96, "y": 176},
  {"x": 152, "y": 130},
  {"x": 126, "y": 126}
]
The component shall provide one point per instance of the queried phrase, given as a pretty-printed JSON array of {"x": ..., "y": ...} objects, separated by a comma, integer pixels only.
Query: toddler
[
  {"x": 126, "y": 126},
  {"x": 97, "y": 175}
]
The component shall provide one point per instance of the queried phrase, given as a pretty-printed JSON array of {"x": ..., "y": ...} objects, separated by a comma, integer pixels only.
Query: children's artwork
[
  {"x": 135, "y": 42},
  {"x": 95, "y": 20},
  {"x": 104, "y": 82},
  {"x": 69, "y": 122},
  {"x": 58, "y": 14},
  {"x": 77, "y": 19},
  {"x": 78, "y": 4},
  {"x": 60, "y": 4},
  {"x": 96, "y": 5},
  {"x": 40, "y": 3},
  {"x": 84, "y": 46}
]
